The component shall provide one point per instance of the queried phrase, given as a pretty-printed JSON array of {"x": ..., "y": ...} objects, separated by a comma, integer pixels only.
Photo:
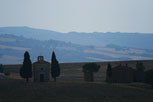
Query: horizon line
[{"x": 74, "y": 31}]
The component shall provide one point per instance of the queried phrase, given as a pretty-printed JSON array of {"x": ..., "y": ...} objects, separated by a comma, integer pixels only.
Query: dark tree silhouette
[
  {"x": 109, "y": 73},
  {"x": 26, "y": 69},
  {"x": 140, "y": 66},
  {"x": 149, "y": 77},
  {"x": 91, "y": 67},
  {"x": 55, "y": 68},
  {"x": 139, "y": 73},
  {"x": 88, "y": 70},
  {"x": 1, "y": 68}
]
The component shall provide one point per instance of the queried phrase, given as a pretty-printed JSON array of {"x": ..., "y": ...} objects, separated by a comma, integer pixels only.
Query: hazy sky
[{"x": 79, "y": 15}]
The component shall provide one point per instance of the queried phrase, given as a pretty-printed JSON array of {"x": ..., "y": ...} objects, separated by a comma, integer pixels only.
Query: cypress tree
[
  {"x": 55, "y": 68},
  {"x": 139, "y": 74},
  {"x": 109, "y": 73},
  {"x": 26, "y": 69},
  {"x": 1, "y": 68}
]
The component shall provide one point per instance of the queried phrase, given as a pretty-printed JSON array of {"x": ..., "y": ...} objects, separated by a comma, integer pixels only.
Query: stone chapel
[{"x": 41, "y": 70}]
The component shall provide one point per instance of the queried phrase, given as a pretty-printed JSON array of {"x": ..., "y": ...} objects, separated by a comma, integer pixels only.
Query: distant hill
[
  {"x": 135, "y": 40},
  {"x": 12, "y": 48}
]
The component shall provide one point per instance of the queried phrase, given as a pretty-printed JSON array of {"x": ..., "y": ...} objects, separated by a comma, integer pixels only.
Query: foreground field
[{"x": 13, "y": 90}]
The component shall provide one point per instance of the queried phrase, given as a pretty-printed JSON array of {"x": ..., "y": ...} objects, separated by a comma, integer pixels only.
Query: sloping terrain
[
  {"x": 134, "y": 40},
  {"x": 13, "y": 47},
  {"x": 12, "y": 90}
]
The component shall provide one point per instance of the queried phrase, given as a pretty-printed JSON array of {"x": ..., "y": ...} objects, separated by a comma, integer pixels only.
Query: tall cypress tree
[
  {"x": 1, "y": 68},
  {"x": 26, "y": 69},
  {"x": 55, "y": 68},
  {"x": 139, "y": 74},
  {"x": 109, "y": 73}
]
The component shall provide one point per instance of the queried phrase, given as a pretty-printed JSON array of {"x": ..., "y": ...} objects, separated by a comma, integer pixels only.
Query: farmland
[{"x": 73, "y": 71}]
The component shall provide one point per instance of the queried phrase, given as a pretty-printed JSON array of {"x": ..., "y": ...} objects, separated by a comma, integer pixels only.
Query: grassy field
[
  {"x": 15, "y": 90},
  {"x": 73, "y": 71}
]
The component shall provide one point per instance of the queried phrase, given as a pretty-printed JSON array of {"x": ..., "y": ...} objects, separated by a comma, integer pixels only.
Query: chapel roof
[{"x": 40, "y": 60}]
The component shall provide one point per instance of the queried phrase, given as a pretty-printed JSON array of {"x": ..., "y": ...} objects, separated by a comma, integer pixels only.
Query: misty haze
[{"x": 76, "y": 51}]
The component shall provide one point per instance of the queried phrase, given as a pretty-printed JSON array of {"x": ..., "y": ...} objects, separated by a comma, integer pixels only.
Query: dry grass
[
  {"x": 140, "y": 85},
  {"x": 15, "y": 90},
  {"x": 15, "y": 76}
]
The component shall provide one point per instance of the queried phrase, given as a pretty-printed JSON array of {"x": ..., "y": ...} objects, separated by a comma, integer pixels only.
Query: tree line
[{"x": 89, "y": 68}]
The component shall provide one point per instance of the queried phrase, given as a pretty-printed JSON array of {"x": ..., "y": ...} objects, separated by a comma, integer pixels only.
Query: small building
[
  {"x": 122, "y": 74},
  {"x": 41, "y": 70},
  {"x": 139, "y": 76}
]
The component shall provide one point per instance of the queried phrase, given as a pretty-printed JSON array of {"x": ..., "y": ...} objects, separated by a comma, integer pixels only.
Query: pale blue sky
[{"x": 79, "y": 15}]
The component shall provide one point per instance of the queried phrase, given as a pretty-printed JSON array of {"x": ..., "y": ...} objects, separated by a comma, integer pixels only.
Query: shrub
[
  {"x": 91, "y": 67},
  {"x": 6, "y": 72}
]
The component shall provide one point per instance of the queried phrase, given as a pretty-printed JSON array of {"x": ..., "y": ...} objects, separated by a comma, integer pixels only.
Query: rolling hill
[
  {"x": 12, "y": 48},
  {"x": 134, "y": 40}
]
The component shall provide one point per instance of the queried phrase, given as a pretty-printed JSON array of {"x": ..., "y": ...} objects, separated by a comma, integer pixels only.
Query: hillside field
[
  {"x": 16, "y": 90},
  {"x": 73, "y": 71}
]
